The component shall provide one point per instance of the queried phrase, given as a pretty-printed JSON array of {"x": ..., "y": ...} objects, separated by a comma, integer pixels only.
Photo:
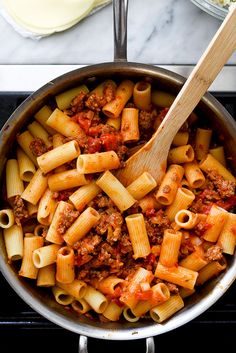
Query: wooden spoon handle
[{"x": 214, "y": 58}]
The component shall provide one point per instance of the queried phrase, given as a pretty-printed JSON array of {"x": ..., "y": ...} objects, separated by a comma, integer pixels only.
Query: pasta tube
[
  {"x": 65, "y": 272},
  {"x": 77, "y": 288},
  {"x": 42, "y": 116},
  {"x": 61, "y": 296},
  {"x": 64, "y": 99},
  {"x": 26, "y": 166},
  {"x": 66, "y": 180},
  {"x": 95, "y": 299},
  {"x": 210, "y": 163},
  {"x": 123, "y": 94},
  {"x": 142, "y": 95},
  {"x": 169, "y": 185},
  {"x": 45, "y": 255},
  {"x": 142, "y": 186},
  {"x": 109, "y": 285},
  {"x": 202, "y": 142},
  {"x": 227, "y": 238},
  {"x": 149, "y": 202},
  {"x": 24, "y": 140},
  {"x": 81, "y": 226},
  {"x": 14, "y": 184},
  {"x": 46, "y": 276},
  {"x": 38, "y": 131},
  {"x": 7, "y": 218},
  {"x": 177, "y": 274},
  {"x": 194, "y": 175},
  {"x": 97, "y": 162},
  {"x": 170, "y": 248},
  {"x": 64, "y": 125},
  {"x": 130, "y": 125},
  {"x": 183, "y": 200},
  {"x": 58, "y": 156},
  {"x": 112, "y": 311},
  {"x": 186, "y": 219},
  {"x": 81, "y": 197},
  {"x": 160, "y": 293},
  {"x": 36, "y": 188},
  {"x": 219, "y": 154},
  {"x": 215, "y": 222},
  {"x": 162, "y": 99},
  {"x": 138, "y": 235},
  {"x": 116, "y": 191},
  {"x": 165, "y": 310},
  {"x": 80, "y": 306},
  {"x": 211, "y": 270},
  {"x": 46, "y": 208},
  {"x": 181, "y": 138},
  {"x": 31, "y": 243},
  {"x": 181, "y": 154},
  {"x": 54, "y": 234},
  {"x": 194, "y": 261},
  {"x": 129, "y": 316},
  {"x": 13, "y": 238}
]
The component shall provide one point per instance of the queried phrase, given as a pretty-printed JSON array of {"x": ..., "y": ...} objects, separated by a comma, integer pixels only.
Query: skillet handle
[
  {"x": 83, "y": 344},
  {"x": 120, "y": 13}
]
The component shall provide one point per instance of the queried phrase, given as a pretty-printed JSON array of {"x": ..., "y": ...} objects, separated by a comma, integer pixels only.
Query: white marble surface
[{"x": 159, "y": 32}]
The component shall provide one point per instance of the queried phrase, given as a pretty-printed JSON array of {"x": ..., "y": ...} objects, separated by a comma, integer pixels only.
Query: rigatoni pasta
[
  {"x": 36, "y": 188},
  {"x": 7, "y": 218},
  {"x": 14, "y": 183},
  {"x": 13, "y": 237},
  {"x": 138, "y": 235},
  {"x": 58, "y": 156},
  {"x": 102, "y": 249}
]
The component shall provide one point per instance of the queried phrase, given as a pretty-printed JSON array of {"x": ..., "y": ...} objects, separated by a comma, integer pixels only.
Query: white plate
[{"x": 211, "y": 8}]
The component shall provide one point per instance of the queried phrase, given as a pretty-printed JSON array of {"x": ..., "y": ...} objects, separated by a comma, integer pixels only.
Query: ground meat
[
  {"x": 125, "y": 245},
  {"x": 19, "y": 209},
  {"x": 187, "y": 246},
  {"x": 62, "y": 195},
  {"x": 103, "y": 201},
  {"x": 88, "y": 244},
  {"x": 225, "y": 188},
  {"x": 214, "y": 253},
  {"x": 109, "y": 92},
  {"x": 155, "y": 225},
  {"x": 172, "y": 287},
  {"x": 110, "y": 220},
  {"x": 66, "y": 219},
  {"x": 105, "y": 256},
  {"x": 95, "y": 102},
  {"x": 200, "y": 228},
  {"x": 38, "y": 147},
  {"x": 146, "y": 119},
  {"x": 77, "y": 104},
  {"x": 84, "y": 119},
  {"x": 200, "y": 206},
  {"x": 121, "y": 153},
  {"x": 129, "y": 269},
  {"x": 160, "y": 219}
]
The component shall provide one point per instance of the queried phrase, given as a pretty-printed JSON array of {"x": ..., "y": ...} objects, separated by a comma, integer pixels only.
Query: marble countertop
[{"x": 159, "y": 32}]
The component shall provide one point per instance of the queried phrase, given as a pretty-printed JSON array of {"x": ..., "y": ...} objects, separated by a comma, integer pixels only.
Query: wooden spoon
[{"x": 152, "y": 156}]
